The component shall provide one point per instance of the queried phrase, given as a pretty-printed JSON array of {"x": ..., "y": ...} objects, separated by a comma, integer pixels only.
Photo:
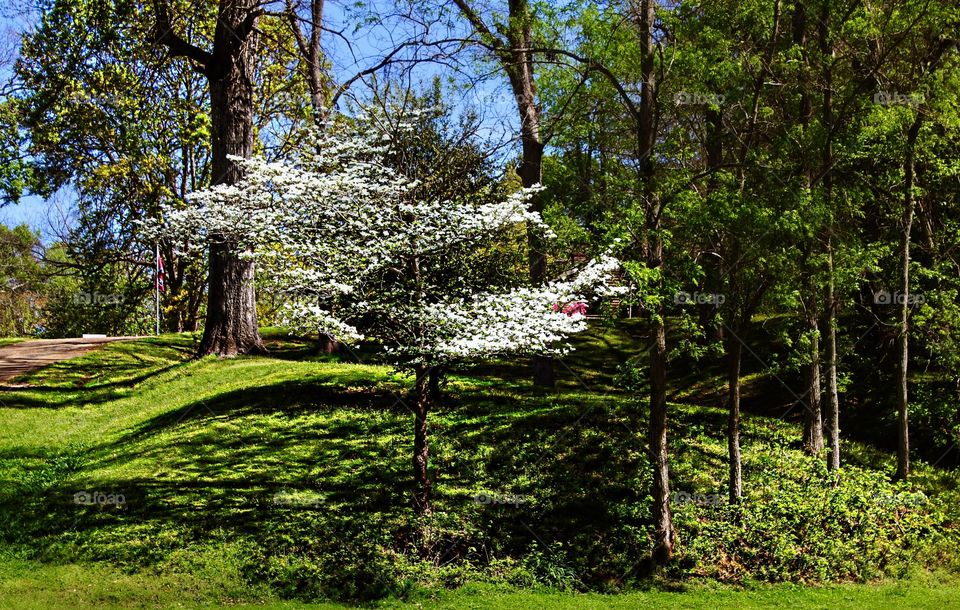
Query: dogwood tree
[{"x": 376, "y": 233}]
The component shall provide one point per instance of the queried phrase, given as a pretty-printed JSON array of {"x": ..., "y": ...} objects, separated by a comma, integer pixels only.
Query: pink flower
[{"x": 576, "y": 307}]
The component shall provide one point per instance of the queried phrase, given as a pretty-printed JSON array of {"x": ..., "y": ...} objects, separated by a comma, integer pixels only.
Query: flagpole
[{"x": 156, "y": 286}]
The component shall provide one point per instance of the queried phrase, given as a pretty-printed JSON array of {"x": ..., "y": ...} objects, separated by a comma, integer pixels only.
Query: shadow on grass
[
  {"x": 553, "y": 467},
  {"x": 86, "y": 392}
]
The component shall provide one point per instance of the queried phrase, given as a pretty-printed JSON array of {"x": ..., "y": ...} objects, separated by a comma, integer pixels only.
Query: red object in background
[
  {"x": 160, "y": 275},
  {"x": 572, "y": 308}
]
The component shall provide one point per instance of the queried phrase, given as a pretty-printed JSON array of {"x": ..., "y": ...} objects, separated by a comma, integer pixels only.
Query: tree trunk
[
  {"x": 665, "y": 538},
  {"x": 311, "y": 55},
  {"x": 517, "y": 62},
  {"x": 326, "y": 344},
  {"x": 315, "y": 58},
  {"x": 833, "y": 397},
  {"x": 903, "y": 363},
  {"x": 833, "y": 404},
  {"x": 421, "y": 450},
  {"x": 813, "y": 420},
  {"x": 734, "y": 354},
  {"x": 231, "y": 326},
  {"x": 519, "y": 67},
  {"x": 646, "y": 132}
]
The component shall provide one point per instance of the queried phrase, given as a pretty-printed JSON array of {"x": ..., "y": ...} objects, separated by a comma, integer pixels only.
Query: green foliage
[
  {"x": 22, "y": 286},
  {"x": 811, "y": 526},
  {"x": 288, "y": 476}
]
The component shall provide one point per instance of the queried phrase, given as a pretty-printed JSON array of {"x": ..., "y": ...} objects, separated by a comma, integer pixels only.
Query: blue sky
[
  {"x": 31, "y": 210},
  {"x": 490, "y": 98}
]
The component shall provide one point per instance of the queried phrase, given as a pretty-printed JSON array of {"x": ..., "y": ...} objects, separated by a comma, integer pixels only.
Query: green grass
[
  {"x": 287, "y": 477},
  {"x": 28, "y": 586},
  {"x": 10, "y": 340}
]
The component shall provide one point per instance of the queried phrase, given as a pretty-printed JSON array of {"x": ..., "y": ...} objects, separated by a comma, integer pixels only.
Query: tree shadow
[{"x": 58, "y": 396}]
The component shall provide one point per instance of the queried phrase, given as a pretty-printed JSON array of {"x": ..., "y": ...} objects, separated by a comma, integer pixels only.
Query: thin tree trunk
[
  {"x": 833, "y": 403},
  {"x": 665, "y": 535},
  {"x": 734, "y": 355},
  {"x": 311, "y": 53},
  {"x": 833, "y": 398},
  {"x": 517, "y": 62},
  {"x": 903, "y": 403},
  {"x": 519, "y": 68},
  {"x": 421, "y": 450},
  {"x": 665, "y": 538},
  {"x": 813, "y": 421}
]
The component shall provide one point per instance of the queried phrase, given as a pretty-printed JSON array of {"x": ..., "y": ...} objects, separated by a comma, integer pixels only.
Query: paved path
[{"x": 23, "y": 357}]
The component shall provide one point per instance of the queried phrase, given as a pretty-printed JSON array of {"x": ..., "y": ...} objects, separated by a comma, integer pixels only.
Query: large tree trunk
[
  {"x": 421, "y": 449},
  {"x": 734, "y": 355},
  {"x": 231, "y": 327},
  {"x": 903, "y": 361}
]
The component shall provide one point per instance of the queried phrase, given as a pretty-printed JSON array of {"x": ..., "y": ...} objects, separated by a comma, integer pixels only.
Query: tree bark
[
  {"x": 421, "y": 449},
  {"x": 833, "y": 397},
  {"x": 231, "y": 326},
  {"x": 519, "y": 68},
  {"x": 734, "y": 355},
  {"x": 903, "y": 361},
  {"x": 833, "y": 403},
  {"x": 311, "y": 53},
  {"x": 665, "y": 537},
  {"x": 517, "y": 62},
  {"x": 813, "y": 420}
]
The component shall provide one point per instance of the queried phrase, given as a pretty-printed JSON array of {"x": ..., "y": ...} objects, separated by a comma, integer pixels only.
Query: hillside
[{"x": 264, "y": 478}]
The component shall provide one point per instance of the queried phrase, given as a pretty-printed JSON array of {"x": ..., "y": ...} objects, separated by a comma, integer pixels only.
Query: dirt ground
[{"x": 20, "y": 358}]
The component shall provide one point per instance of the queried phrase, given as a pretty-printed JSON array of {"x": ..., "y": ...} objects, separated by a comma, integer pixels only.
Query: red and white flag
[{"x": 160, "y": 275}]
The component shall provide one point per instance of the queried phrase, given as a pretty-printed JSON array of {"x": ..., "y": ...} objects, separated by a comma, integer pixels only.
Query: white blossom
[{"x": 329, "y": 226}]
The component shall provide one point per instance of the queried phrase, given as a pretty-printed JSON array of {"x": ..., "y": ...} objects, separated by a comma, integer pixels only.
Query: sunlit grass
[{"x": 267, "y": 471}]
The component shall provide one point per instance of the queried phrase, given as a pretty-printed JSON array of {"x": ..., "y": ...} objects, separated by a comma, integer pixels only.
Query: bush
[{"x": 811, "y": 527}]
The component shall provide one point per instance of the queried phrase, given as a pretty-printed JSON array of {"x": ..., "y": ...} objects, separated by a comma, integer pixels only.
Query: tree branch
[{"x": 163, "y": 34}]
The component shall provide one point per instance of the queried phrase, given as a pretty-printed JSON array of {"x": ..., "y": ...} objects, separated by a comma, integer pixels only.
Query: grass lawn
[
  {"x": 28, "y": 586},
  {"x": 254, "y": 480}
]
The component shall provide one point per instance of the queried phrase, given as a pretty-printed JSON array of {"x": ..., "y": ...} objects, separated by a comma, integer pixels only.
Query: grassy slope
[
  {"x": 26, "y": 586},
  {"x": 228, "y": 464}
]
